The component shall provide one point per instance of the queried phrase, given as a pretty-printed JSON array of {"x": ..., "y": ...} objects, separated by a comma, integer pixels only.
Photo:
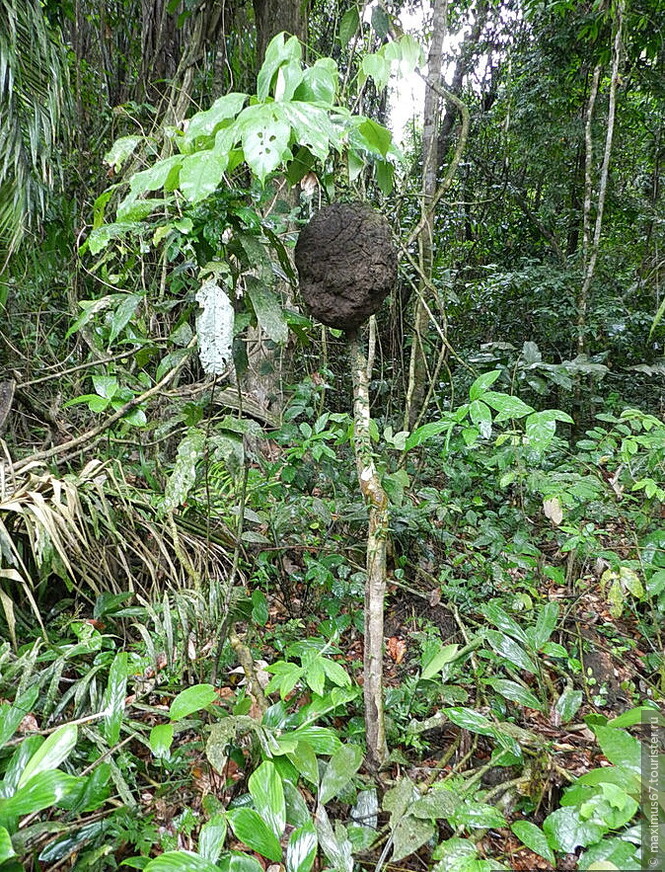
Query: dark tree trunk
[{"x": 273, "y": 16}]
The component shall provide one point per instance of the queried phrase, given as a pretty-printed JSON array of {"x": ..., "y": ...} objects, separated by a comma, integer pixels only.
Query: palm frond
[{"x": 34, "y": 102}]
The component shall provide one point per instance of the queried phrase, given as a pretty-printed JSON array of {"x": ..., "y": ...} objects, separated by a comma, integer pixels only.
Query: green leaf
[
  {"x": 437, "y": 804},
  {"x": 349, "y": 25},
  {"x": 409, "y": 834},
  {"x": 207, "y": 123},
  {"x": 161, "y": 739},
  {"x": 268, "y": 310},
  {"x": 265, "y": 138},
  {"x": 120, "y": 150},
  {"x": 511, "y": 650},
  {"x": 566, "y": 831},
  {"x": 545, "y": 624},
  {"x": 311, "y": 127},
  {"x": 481, "y": 415},
  {"x": 279, "y": 51},
  {"x": 180, "y": 861},
  {"x": 468, "y": 719},
  {"x": 427, "y": 431},
  {"x": 44, "y": 789},
  {"x": 254, "y": 832},
  {"x": 380, "y": 21},
  {"x": 323, "y": 740},
  {"x": 444, "y": 655},
  {"x": 619, "y": 747},
  {"x": 377, "y": 67},
  {"x": 502, "y": 620},
  {"x": 100, "y": 238},
  {"x": 265, "y": 787},
  {"x": 376, "y": 138},
  {"x": 477, "y": 815},
  {"x": 301, "y": 849},
  {"x": 236, "y": 861},
  {"x": 534, "y": 838},
  {"x": 156, "y": 176},
  {"x": 6, "y": 847},
  {"x": 304, "y": 759},
  {"x": 201, "y": 174},
  {"x": 568, "y": 704},
  {"x": 516, "y": 692},
  {"x": 342, "y": 767},
  {"x": 12, "y": 715},
  {"x": 385, "y": 176},
  {"x": 319, "y": 82},
  {"x": 114, "y": 698},
  {"x": 54, "y": 750},
  {"x": 183, "y": 477},
  {"x": 211, "y": 838},
  {"x": 507, "y": 406},
  {"x": 191, "y": 700},
  {"x": 123, "y": 315},
  {"x": 482, "y": 383},
  {"x": 335, "y": 672}
]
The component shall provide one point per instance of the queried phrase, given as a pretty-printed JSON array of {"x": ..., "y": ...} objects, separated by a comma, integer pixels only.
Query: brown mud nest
[{"x": 347, "y": 264}]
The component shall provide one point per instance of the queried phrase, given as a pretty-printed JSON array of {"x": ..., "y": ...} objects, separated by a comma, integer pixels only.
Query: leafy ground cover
[{"x": 204, "y": 710}]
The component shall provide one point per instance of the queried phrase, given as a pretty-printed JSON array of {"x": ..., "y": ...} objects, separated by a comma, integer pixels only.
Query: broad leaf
[
  {"x": 468, "y": 719},
  {"x": 482, "y": 383},
  {"x": 44, "y": 789},
  {"x": 409, "y": 834},
  {"x": 349, "y": 25},
  {"x": 255, "y": 833},
  {"x": 180, "y": 861},
  {"x": 506, "y": 405},
  {"x": 268, "y": 310},
  {"x": 265, "y": 139},
  {"x": 265, "y": 787},
  {"x": 301, "y": 849},
  {"x": 11, "y": 715},
  {"x": 619, "y": 747},
  {"x": 211, "y": 838},
  {"x": 511, "y": 650},
  {"x": 114, "y": 698},
  {"x": 444, "y": 655},
  {"x": 161, "y": 739},
  {"x": 342, "y": 767},
  {"x": 55, "y": 749},
  {"x": 201, "y": 174},
  {"x": 534, "y": 838},
  {"x": 545, "y": 624},
  {"x": 207, "y": 123},
  {"x": 191, "y": 700},
  {"x": 568, "y": 704},
  {"x": 516, "y": 692},
  {"x": 566, "y": 830}
]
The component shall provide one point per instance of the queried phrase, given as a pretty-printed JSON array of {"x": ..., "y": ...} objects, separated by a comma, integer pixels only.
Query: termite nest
[{"x": 347, "y": 264}]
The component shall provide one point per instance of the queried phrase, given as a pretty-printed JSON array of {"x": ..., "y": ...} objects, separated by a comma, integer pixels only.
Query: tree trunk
[
  {"x": 431, "y": 116},
  {"x": 375, "y": 586}
]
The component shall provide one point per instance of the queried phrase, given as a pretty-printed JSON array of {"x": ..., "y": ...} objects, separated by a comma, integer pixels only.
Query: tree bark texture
[{"x": 375, "y": 586}]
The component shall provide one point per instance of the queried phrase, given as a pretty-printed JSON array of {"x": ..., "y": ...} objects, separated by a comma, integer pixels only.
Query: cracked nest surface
[{"x": 347, "y": 264}]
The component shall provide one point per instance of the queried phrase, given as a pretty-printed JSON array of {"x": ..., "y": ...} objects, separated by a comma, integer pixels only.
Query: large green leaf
[
  {"x": 534, "y": 838},
  {"x": 114, "y": 698},
  {"x": 265, "y": 138},
  {"x": 201, "y": 174},
  {"x": 183, "y": 476},
  {"x": 280, "y": 50},
  {"x": 502, "y": 620},
  {"x": 255, "y": 833},
  {"x": 566, "y": 830},
  {"x": 312, "y": 127},
  {"x": 265, "y": 787},
  {"x": 206, "y": 123},
  {"x": 301, "y": 849},
  {"x": 6, "y": 847},
  {"x": 409, "y": 834},
  {"x": 211, "y": 838},
  {"x": 511, "y": 650},
  {"x": 11, "y": 715},
  {"x": 156, "y": 176},
  {"x": 468, "y": 719},
  {"x": 506, "y": 405},
  {"x": 342, "y": 767},
  {"x": 516, "y": 692},
  {"x": 545, "y": 624},
  {"x": 56, "y": 748},
  {"x": 443, "y": 655},
  {"x": 42, "y": 791},
  {"x": 349, "y": 25},
  {"x": 268, "y": 310},
  {"x": 482, "y": 383},
  {"x": 620, "y": 747},
  {"x": 191, "y": 700},
  {"x": 180, "y": 861},
  {"x": 319, "y": 82}
]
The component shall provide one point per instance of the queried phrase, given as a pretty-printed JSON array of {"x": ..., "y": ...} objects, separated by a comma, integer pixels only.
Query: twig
[{"x": 100, "y": 428}]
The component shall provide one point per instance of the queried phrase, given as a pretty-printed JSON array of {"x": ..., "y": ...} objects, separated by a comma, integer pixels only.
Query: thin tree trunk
[
  {"x": 591, "y": 251},
  {"x": 431, "y": 116},
  {"x": 375, "y": 587}
]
